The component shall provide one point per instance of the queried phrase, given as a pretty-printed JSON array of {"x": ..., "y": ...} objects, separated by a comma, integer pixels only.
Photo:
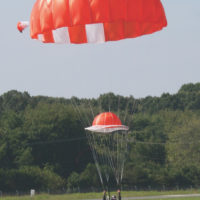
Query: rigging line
[
  {"x": 110, "y": 161},
  {"x": 79, "y": 113},
  {"x": 95, "y": 158},
  {"x": 133, "y": 108},
  {"x": 131, "y": 114},
  {"x": 57, "y": 141},
  {"x": 97, "y": 149},
  {"x": 108, "y": 145},
  {"x": 103, "y": 150},
  {"x": 102, "y": 157},
  {"x": 118, "y": 109},
  {"x": 111, "y": 138},
  {"x": 113, "y": 150},
  {"x": 109, "y": 103},
  {"x": 86, "y": 115},
  {"x": 117, "y": 149},
  {"x": 103, "y": 154},
  {"x": 126, "y": 150},
  {"x": 91, "y": 110},
  {"x": 153, "y": 143},
  {"x": 106, "y": 160},
  {"x": 98, "y": 166},
  {"x": 122, "y": 149},
  {"x": 129, "y": 141},
  {"x": 94, "y": 143},
  {"x": 99, "y": 105},
  {"x": 121, "y": 155},
  {"x": 126, "y": 110}
]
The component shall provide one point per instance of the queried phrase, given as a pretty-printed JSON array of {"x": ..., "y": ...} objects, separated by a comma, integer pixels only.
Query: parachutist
[
  {"x": 104, "y": 195},
  {"x": 119, "y": 194}
]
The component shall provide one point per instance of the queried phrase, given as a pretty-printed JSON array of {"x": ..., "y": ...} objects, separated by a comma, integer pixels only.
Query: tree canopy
[{"x": 42, "y": 140}]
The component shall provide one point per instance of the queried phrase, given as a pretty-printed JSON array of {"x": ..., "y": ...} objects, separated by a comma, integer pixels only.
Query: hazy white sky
[{"x": 149, "y": 65}]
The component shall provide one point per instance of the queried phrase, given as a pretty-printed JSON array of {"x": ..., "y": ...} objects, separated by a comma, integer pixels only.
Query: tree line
[{"x": 43, "y": 144}]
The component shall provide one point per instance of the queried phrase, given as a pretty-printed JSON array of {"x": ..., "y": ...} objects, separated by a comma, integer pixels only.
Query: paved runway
[
  {"x": 163, "y": 196},
  {"x": 157, "y": 197}
]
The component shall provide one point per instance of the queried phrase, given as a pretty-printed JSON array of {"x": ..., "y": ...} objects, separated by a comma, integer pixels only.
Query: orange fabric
[
  {"x": 114, "y": 31},
  {"x": 48, "y": 37},
  {"x": 107, "y": 118},
  {"x": 117, "y": 10},
  {"x": 35, "y": 21},
  {"x": 60, "y": 13},
  {"x": 99, "y": 10},
  {"x": 46, "y": 22},
  {"x": 77, "y": 34},
  {"x": 80, "y": 12},
  {"x": 121, "y": 18}
]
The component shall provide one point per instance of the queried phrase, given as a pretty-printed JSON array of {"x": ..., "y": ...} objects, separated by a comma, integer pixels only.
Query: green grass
[{"x": 80, "y": 196}]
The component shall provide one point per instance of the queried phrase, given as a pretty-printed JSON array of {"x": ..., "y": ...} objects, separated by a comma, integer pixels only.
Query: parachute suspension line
[
  {"x": 126, "y": 111},
  {"x": 99, "y": 105},
  {"x": 109, "y": 102},
  {"x": 77, "y": 110},
  {"x": 119, "y": 156},
  {"x": 126, "y": 149},
  {"x": 84, "y": 123},
  {"x": 98, "y": 148},
  {"x": 113, "y": 157},
  {"x": 134, "y": 106},
  {"x": 110, "y": 152},
  {"x": 108, "y": 161},
  {"x": 86, "y": 117},
  {"x": 95, "y": 156},
  {"x": 118, "y": 113},
  {"x": 108, "y": 148},
  {"x": 114, "y": 135},
  {"x": 104, "y": 158},
  {"x": 122, "y": 157},
  {"x": 91, "y": 109},
  {"x": 104, "y": 147},
  {"x": 82, "y": 114},
  {"x": 118, "y": 159}
]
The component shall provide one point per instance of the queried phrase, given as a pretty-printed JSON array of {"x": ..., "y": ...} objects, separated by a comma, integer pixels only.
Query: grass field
[
  {"x": 80, "y": 196},
  {"x": 55, "y": 198}
]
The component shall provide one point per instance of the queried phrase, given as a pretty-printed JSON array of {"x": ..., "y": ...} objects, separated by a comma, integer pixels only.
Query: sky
[{"x": 148, "y": 65}]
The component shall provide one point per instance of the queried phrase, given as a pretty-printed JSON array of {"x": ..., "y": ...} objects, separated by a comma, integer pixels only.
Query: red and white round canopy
[
  {"x": 94, "y": 21},
  {"x": 106, "y": 122}
]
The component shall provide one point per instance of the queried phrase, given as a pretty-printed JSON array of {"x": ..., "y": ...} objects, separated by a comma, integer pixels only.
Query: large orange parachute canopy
[{"x": 94, "y": 21}]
